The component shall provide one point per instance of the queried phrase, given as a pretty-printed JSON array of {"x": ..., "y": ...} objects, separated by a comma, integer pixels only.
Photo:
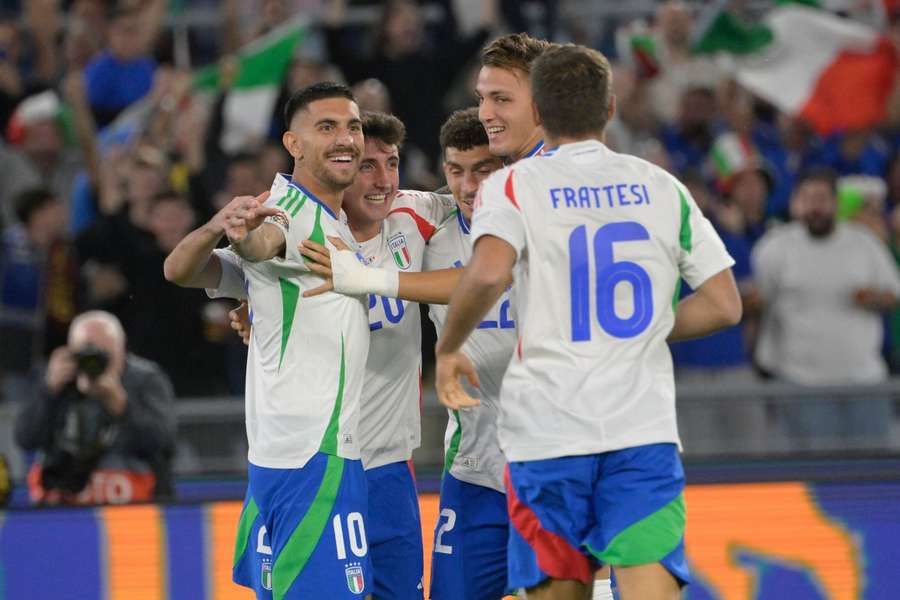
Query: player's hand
[
  {"x": 242, "y": 215},
  {"x": 449, "y": 368},
  {"x": 338, "y": 243},
  {"x": 319, "y": 255},
  {"x": 240, "y": 321}
]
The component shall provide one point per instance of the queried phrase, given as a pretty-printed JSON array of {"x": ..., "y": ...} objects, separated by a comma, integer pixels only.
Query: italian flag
[
  {"x": 834, "y": 73},
  {"x": 261, "y": 67}
]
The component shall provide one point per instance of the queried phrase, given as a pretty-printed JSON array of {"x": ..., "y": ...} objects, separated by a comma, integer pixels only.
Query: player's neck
[
  {"x": 553, "y": 142},
  {"x": 528, "y": 147},
  {"x": 365, "y": 231},
  {"x": 324, "y": 194}
]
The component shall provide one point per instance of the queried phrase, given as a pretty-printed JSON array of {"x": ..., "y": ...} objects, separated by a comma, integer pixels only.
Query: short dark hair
[
  {"x": 823, "y": 174},
  {"x": 571, "y": 80},
  {"x": 317, "y": 91},
  {"x": 32, "y": 200},
  {"x": 383, "y": 127},
  {"x": 514, "y": 51},
  {"x": 463, "y": 131}
]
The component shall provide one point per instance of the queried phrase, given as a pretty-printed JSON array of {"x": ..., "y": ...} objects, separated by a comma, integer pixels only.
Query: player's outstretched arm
[
  {"x": 347, "y": 276},
  {"x": 713, "y": 306},
  {"x": 192, "y": 263},
  {"x": 481, "y": 285}
]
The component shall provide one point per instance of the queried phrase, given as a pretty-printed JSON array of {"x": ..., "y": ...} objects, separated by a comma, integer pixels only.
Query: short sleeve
[
  {"x": 701, "y": 252},
  {"x": 497, "y": 211},
  {"x": 427, "y": 209},
  {"x": 886, "y": 277},
  {"x": 766, "y": 263},
  {"x": 232, "y": 283},
  {"x": 297, "y": 219}
]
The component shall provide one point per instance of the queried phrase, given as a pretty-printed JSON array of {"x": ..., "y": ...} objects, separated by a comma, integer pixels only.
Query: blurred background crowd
[{"x": 127, "y": 124}]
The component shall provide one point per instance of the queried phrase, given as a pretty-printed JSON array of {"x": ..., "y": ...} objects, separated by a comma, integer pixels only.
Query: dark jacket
[{"x": 140, "y": 439}]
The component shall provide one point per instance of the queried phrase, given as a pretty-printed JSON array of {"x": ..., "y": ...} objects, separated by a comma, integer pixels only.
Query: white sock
[{"x": 602, "y": 590}]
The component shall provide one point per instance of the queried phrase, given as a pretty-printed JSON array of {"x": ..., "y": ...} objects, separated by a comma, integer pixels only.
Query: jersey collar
[
  {"x": 463, "y": 226},
  {"x": 297, "y": 186},
  {"x": 536, "y": 150}
]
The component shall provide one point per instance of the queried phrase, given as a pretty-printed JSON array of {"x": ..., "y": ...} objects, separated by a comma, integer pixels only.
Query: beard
[
  {"x": 819, "y": 227},
  {"x": 336, "y": 182}
]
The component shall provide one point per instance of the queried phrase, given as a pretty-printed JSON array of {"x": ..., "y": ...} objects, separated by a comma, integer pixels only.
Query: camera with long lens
[
  {"x": 92, "y": 361},
  {"x": 81, "y": 435}
]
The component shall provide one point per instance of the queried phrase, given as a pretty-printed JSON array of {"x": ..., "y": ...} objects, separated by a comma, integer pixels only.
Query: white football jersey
[
  {"x": 601, "y": 241},
  {"x": 307, "y": 356},
  {"x": 471, "y": 449},
  {"x": 390, "y": 416}
]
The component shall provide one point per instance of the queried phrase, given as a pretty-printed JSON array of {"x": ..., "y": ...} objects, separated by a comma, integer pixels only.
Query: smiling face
[
  {"x": 326, "y": 141},
  {"x": 506, "y": 111},
  {"x": 465, "y": 170},
  {"x": 369, "y": 199}
]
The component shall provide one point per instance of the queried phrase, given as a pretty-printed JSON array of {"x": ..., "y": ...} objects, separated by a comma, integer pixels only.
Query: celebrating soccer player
[
  {"x": 306, "y": 507},
  {"x": 598, "y": 241}
]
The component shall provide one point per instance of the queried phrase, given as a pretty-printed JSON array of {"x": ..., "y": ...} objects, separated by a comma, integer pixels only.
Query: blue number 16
[{"x": 609, "y": 274}]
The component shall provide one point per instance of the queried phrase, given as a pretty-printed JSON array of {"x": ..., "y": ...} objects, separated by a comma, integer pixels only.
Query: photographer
[{"x": 103, "y": 421}]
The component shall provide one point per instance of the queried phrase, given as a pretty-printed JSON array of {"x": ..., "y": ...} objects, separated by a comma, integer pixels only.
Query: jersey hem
[{"x": 528, "y": 453}]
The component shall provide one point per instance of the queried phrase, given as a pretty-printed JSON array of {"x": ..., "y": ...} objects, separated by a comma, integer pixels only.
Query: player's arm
[
  {"x": 192, "y": 263},
  {"x": 706, "y": 265},
  {"x": 715, "y": 305},
  {"x": 346, "y": 275},
  {"x": 263, "y": 243},
  {"x": 481, "y": 285}
]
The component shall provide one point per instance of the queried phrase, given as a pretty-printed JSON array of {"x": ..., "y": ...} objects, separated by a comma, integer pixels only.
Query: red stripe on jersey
[
  {"x": 519, "y": 347},
  {"x": 509, "y": 190},
  {"x": 426, "y": 229},
  {"x": 555, "y": 556}
]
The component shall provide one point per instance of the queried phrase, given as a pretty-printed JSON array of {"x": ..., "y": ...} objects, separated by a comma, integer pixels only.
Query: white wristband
[{"x": 352, "y": 278}]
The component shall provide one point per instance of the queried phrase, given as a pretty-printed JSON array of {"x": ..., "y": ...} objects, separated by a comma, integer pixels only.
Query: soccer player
[
  {"x": 306, "y": 497},
  {"x": 598, "y": 241},
  {"x": 391, "y": 228},
  {"x": 504, "y": 96},
  {"x": 469, "y": 554}
]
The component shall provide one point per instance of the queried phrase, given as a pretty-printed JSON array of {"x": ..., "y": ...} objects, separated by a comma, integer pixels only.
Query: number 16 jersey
[{"x": 602, "y": 240}]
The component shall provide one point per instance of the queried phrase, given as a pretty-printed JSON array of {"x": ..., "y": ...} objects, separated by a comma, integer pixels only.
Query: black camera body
[{"x": 91, "y": 360}]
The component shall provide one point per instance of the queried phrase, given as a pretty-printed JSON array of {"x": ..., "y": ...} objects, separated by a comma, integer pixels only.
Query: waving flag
[{"x": 835, "y": 73}]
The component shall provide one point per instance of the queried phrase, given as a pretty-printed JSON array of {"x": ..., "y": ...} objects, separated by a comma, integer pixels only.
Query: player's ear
[
  {"x": 535, "y": 114},
  {"x": 612, "y": 108},
  {"x": 292, "y": 144}
]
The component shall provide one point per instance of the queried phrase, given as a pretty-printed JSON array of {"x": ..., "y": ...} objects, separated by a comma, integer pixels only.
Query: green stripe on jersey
[
  {"x": 453, "y": 450},
  {"x": 329, "y": 440},
  {"x": 648, "y": 540},
  {"x": 284, "y": 198},
  {"x": 318, "y": 234},
  {"x": 299, "y": 206},
  {"x": 685, "y": 234},
  {"x": 290, "y": 293},
  {"x": 294, "y": 193},
  {"x": 248, "y": 515},
  {"x": 299, "y": 547},
  {"x": 676, "y": 297},
  {"x": 685, "y": 240}
]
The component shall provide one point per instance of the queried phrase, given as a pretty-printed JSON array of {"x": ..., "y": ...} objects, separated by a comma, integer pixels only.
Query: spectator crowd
[{"x": 111, "y": 153}]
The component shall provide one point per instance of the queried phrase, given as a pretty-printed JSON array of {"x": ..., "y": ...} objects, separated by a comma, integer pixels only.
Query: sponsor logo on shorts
[
  {"x": 280, "y": 219},
  {"x": 348, "y": 438},
  {"x": 265, "y": 577},
  {"x": 355, "y": 580}
]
